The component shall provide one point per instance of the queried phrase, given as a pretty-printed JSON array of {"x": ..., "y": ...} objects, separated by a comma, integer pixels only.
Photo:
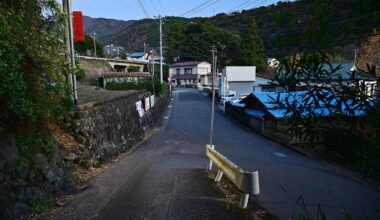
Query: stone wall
[
  {"x": 104, "y": 129},
  {"x": 114, "y": 126},
  {"x": 27, "y": 180}
]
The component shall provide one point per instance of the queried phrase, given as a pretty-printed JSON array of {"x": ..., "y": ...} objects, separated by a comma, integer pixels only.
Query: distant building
[
  {"x": 273, "y": 63},
  {"x": 264, "y": 84},
  {"x": 112, "y": 51},
  {"x": 189, "y": 73},
  {"x": 139, "y": 56}
]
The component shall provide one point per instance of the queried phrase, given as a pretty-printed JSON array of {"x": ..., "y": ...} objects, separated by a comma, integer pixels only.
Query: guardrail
[{"x": 248, "y": 182}]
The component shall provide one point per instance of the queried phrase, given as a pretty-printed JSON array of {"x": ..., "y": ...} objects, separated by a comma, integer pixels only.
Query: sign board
[
  {"x": 147, "y": 104},
  {"x": 139, "y": 108},
  {"x": 78, "y": 26},
  {"x": 152, "y": 101}
]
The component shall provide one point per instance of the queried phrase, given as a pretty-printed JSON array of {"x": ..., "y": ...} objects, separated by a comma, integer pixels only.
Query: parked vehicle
[
  {"x": 229, "y": 95},
  {"x": 237, "y": 98}
]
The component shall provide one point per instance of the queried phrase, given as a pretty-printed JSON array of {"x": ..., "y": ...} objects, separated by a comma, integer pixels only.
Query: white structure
[
  {"x": 273, "y": 63},
  {"x": 240, "y": 79},
  {"x": 139, "y": 56},
  {"x": 264, "y": 84},
  {"x": 112, "y": 51},
  {"x": 243, "y": 80},
  {"x": 189, "y": 73}
]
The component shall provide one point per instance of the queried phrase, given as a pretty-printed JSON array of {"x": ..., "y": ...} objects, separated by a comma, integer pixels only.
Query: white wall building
[
  {"x": 189, "y": 73},
  {"x": 244, "y": 80},
  {"x": 238, "y": 78}
]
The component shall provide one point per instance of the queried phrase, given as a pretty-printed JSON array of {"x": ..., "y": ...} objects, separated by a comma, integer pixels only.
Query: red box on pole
[{"x": 78, "y": 26}]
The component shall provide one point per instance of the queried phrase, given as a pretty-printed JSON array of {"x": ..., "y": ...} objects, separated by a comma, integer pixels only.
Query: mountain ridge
[{"x": 285, "y": 27}]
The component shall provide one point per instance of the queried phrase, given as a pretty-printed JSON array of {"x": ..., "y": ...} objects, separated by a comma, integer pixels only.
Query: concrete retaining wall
[{"x": 112, "y": 127}]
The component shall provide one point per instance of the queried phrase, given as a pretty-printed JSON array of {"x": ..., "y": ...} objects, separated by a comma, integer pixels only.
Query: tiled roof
[
  {"x": 189, "y": 63},
  {"x": 126, "y": 74}
]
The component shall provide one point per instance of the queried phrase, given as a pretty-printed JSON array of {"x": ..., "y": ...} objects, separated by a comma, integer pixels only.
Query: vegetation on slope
[{"x": 338, "y": 26}]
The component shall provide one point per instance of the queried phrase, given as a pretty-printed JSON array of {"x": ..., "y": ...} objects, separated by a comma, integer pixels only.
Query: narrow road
[{"x": 165, "y": 179}]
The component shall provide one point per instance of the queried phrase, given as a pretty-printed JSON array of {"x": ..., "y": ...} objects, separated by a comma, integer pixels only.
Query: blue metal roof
[
  {"x": 254, "y": 112},
  {"x": 137, "y": 54},
  {"x": 238, "y": 104},
  {"x": 317, "y": 107}
]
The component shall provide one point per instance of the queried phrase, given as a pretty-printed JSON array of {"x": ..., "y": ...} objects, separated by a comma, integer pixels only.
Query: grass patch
[{"x": 42, "y": 205}]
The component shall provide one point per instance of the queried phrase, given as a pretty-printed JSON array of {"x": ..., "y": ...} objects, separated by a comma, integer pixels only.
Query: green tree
[
  {"x": 251, "y": 48},
  {"x": 88, "y": 44},
  {"x": 194, "y": 41},
  {"x": 33, "y": 91},
  {"x": 174, "y": 41}
]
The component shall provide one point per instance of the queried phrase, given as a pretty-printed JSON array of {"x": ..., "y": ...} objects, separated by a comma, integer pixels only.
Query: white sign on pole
[
  {"x": 139, "y": 108},
  {"x": 147, "y": 104},
  {"x": 152, "y": 101}
]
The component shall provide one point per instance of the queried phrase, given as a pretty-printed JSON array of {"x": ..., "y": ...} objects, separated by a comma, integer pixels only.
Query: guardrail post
[
  {"x": 210, "y": 164},
  {"x": 218, "y": 176},
  {"x": 244, "y": 201}
]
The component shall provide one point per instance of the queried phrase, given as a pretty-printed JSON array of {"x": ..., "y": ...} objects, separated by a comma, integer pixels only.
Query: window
[
  {"x": 202, "y": 70},
  {"x": 188, "y": 71},
  {"x": 178, "y": 71}
]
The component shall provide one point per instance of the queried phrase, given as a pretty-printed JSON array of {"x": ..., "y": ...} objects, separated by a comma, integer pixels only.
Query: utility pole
[
  {"x": 161, "y": 69},
  {"x": 214, "y": 61},
  {"x": 356, "y": 51},
  {"x": 93, "y": 36},
  {"x": 154, "y": 90},
  {"x": 69, "y": 40}
]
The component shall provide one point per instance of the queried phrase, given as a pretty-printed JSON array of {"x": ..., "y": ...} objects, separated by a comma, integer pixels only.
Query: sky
[{"x": 132, "y": 10}]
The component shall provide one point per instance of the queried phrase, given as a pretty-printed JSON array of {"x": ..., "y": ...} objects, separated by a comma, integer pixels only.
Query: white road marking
[
  {"x": 278, "y": 154},
  {"x": 170, "y": 106}
]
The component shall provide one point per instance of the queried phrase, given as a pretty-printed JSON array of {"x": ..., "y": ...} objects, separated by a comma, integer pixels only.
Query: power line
[
  {"x": 197, "y": 7},
  {"x": 125, "y": 4},
  {"x": 258, "y": 4},
  {"x": 154, "y": 6},
  {"x": 204, "y": 7},
  {"x": 162, "y": 8},
  {"x": 143, "y": 9},
  {"x": 240, "y": 5}
]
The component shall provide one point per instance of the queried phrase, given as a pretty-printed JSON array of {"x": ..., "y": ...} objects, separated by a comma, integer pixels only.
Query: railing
[{"x": 248, "y": 182}]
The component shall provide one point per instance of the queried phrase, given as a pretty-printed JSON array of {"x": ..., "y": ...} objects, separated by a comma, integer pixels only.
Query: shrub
[
  {"x": 144, "y": 83},
  {"x": 33, "y": 91}
]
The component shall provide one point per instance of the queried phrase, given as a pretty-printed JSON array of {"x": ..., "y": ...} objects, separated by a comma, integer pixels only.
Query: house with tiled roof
[{"x": 189, "y": 73}]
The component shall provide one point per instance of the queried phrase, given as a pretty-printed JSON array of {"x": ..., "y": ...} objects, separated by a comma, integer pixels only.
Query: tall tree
[
  {"x": 194, "y": 40},
  {"x": 370, "y": 52},
  {"x": 88, "y": 44},
  {"x": 174, "y": 41},
  {"x": 251, "y": 48}
]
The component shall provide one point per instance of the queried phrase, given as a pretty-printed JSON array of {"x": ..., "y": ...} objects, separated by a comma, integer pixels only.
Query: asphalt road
[{"x": 165, "y": 179}]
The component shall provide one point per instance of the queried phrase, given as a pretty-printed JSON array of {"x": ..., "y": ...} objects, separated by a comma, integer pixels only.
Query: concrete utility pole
[
  {"x": 153, "y": 64},
  {"x": 93, "y": 36},
  {"x": 69, "y": 40},
  {"x": 356, "y": 51},
  {"x": 161, "y": 69},
  {"x": 214, "y": 61}
]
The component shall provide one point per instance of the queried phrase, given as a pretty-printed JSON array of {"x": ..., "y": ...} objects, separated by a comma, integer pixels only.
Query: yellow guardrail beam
[{"x": 248, "y": 182}]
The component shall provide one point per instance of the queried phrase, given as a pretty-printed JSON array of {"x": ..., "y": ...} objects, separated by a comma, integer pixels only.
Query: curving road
[{"x": 164, "y": 178}]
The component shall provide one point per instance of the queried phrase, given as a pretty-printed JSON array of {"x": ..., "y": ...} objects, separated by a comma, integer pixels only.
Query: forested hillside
[
  {"x": 105, "y": 28},
  {"x": 335, "y": 25}
]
